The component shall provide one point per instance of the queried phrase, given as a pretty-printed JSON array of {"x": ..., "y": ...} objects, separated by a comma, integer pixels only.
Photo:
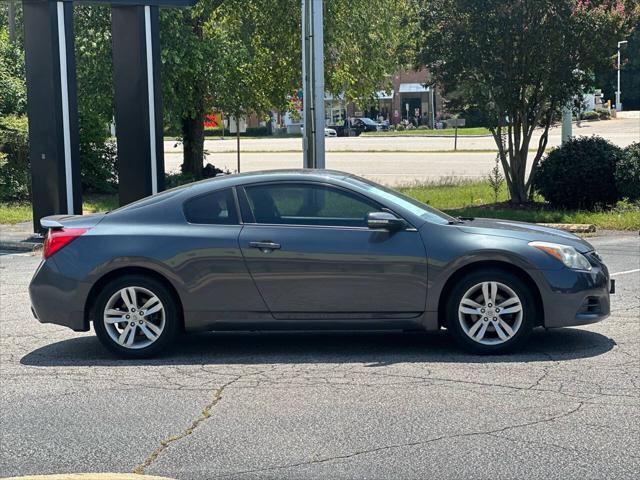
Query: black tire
[
  {"x": 491, "y": 275},
  {"x": 171, "y": 316}
]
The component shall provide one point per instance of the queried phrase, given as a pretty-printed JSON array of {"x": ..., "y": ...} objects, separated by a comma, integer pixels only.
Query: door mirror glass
[{"x": 385, "y": 220}]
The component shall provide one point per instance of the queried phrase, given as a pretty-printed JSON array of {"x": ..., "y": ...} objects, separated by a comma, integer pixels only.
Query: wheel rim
[
  {"x": 490, "y": 313},
  {"x": 134, "y": 317}
]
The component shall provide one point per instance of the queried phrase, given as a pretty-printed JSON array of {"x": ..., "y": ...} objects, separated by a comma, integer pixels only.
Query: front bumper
[
  {"x": 58, "y": 299},
  {"x": 572, "y": 298}
]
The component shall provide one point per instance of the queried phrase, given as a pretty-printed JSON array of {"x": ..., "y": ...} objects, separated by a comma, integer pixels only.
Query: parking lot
[{"x": 325, "y": 406}]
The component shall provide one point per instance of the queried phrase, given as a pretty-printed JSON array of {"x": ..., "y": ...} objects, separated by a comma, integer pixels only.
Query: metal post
[
  {"x": 566, "y": 123},
  {"x": 618, "y": 103},
  {"x": 313, "y": 83}
]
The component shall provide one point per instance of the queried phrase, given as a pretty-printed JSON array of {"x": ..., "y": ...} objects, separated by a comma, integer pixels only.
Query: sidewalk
[{"x": 19, "y": 237}]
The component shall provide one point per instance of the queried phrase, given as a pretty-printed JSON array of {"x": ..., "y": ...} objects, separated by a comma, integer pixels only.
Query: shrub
[
  {"x": 580, "y": 174},
  {"x": 628, "y": 172},
  {"x": 399, "y": 127},
  {"x": 15, "y": 171},
  {"x": 603, "y": 113},
  {"x": 590, "y": 115}
]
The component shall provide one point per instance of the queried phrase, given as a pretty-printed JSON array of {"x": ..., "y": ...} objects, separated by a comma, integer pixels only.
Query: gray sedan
[{"x": 309, "y": 249}]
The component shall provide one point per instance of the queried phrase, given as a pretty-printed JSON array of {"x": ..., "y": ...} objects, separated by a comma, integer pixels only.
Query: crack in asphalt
[
  {"x": 204, "y": 415},
  {"x": 493, "y": 432}
]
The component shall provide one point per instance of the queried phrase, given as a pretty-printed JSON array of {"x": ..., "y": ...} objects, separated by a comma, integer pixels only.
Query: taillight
[{"x": 58, "y": 238}]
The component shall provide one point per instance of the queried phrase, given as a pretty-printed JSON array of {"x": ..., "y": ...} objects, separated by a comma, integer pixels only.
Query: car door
[{"x": 311, "y": 254}]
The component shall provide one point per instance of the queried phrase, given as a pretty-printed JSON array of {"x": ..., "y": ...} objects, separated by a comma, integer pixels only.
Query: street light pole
[
  {"x": 313, "y": 83},
  {"x": 618, "y": 103}
]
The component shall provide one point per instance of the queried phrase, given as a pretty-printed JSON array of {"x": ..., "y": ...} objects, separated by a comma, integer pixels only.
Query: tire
[
  {"x": 149, "y": 332},
  {"x": 504, "y": 328}
]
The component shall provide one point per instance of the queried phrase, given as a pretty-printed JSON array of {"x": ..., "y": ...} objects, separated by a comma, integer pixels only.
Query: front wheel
[
  {"x": 490, "y": 312},
  {"x": 135, "y": 316}
]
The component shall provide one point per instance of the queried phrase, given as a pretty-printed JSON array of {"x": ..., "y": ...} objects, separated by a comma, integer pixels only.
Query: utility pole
[
  {"x": 313, "y": 83},
  {"x": 566, "y": 123},
  {"x": 12, "y": 20},
  {"x": 618, "y": 102}
]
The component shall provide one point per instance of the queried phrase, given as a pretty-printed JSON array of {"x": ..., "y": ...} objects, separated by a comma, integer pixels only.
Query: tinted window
[
  {"x": 305, "y": 204},
  {"x": 212, "y": 208}
]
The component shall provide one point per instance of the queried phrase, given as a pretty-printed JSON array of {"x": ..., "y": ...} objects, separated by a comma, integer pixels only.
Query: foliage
[
  {"x": 628, "y": 172},
  {"x": 13, "y": 92},
  {"x": 15, "y": 174},
  {"x": 496, "y": 180},
  {"x": 98, "y": 154},
  {"x": 603, "y": 113},
  {"x": 590, "y": 115},
  {"x": 518, "y": 62},
  {"x": 580, "y": 174}
]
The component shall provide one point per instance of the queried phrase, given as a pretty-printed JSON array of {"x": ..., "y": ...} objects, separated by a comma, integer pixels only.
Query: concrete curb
[
  {"x": 20, "y": 246},
  {"x": 572, "y": 227},
  {"x": 88, "y": 476}
]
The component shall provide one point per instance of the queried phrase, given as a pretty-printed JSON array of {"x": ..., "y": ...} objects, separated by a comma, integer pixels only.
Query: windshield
[
  {"x": 368, "y": 121},
  {"x": 401, "y": 200}
]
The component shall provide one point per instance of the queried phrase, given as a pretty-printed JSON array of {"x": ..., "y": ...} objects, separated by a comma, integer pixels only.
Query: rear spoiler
[{"x": 54, "y": 221}]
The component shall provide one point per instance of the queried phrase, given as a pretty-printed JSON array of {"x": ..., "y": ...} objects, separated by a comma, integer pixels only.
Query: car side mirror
[{"x": 385, "y": 220}]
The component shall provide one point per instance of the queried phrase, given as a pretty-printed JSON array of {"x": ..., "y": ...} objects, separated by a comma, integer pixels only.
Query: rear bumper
[
  {"x": 573, "y": 298},
  {"x": 58, "y": 299}
]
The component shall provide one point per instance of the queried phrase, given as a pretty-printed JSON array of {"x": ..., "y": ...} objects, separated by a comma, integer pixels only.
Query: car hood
[{"x": 524, "y": 231}]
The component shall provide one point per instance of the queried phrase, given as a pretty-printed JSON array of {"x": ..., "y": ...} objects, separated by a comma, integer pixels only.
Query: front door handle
[{"x": 265, "y": 246}]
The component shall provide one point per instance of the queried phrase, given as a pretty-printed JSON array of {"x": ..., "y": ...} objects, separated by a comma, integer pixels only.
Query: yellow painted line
[{"x": 88, "y": 476}]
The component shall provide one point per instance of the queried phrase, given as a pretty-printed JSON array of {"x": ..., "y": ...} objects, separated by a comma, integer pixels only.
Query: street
[
  {"x": 327, "y": 405},
  {"x": 394, "y": 161}
]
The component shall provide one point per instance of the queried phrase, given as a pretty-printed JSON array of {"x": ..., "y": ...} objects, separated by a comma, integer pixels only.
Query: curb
[
  {"x": 20, "y": 246},
  {"x": 88, "y": 476}
]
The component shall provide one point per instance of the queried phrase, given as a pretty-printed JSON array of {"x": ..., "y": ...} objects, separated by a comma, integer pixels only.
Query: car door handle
[{"x": 265, "y": 246}]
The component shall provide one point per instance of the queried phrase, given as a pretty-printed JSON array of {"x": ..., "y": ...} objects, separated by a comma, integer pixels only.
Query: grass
[
  {"x": 466, "y": 199},
  {"x": 446, "y": 132},
  {"x": 12, "y": 213},
  {"x": 477, "y": 200}
]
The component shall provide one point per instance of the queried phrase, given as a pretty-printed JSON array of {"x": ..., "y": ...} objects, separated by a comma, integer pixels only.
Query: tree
[
  {"x": 519, "y": 62},
  {"x": 243, "y": 56}
]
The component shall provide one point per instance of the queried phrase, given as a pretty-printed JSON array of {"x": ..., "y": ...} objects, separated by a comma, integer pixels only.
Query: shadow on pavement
[{"x": 373, "y": 348}]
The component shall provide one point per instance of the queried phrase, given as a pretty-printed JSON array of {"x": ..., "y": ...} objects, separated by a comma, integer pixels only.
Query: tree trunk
[{"x": 193, "y": 144}]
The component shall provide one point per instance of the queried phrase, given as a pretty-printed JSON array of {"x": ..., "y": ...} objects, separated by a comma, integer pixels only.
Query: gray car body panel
[{"x": 323, "y": 277}]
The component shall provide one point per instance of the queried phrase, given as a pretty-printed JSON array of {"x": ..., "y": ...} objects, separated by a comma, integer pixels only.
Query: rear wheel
[
  {"x": 490, "y": 312},
  {"x": 136, "y": 316}
]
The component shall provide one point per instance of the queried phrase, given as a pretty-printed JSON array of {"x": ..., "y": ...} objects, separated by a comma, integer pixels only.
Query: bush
[
  {"x": 628, "y": 172},
  {"x": 580, "y": 174},
  {"x": 15, "y": 171},
  {"x": 590, "y": 115},
  {"x": 603, "y": 113},
  {"x": 399, "y": 127}
]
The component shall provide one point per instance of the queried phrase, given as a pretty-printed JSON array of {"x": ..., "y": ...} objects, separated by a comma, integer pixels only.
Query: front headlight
[{"x": 566, "y": 254}]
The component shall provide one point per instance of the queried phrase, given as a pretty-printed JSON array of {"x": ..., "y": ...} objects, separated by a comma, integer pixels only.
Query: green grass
[
  {"x": 12, "y": 213},
  {"x": 477, "y": 200},
  {"x": 473, "y": 199},
  {"x": 444, "y": 132}
]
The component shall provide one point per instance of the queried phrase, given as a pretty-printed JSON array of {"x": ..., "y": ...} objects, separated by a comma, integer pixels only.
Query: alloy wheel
[
  {"x": 490, "y": 313},
  {"x": 134, "y": 317}
]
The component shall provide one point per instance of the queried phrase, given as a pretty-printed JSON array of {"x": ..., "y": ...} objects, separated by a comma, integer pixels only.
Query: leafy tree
[
  {"x": 13, "y": 91},
  {"x": 244, "y": 56},
  {"x": 519, "y": 62}
]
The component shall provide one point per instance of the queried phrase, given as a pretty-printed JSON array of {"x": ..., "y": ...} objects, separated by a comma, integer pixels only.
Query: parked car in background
[
  {"x": 309, "y": 249},
  {"x": 330, "y": 132},
  {"x": 364, "y": 124}
]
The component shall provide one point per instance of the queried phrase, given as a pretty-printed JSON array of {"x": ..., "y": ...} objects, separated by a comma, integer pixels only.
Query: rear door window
[{"x": 215, "y": 208}]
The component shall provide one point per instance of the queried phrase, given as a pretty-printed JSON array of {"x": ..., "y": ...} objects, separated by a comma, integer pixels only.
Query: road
[
  {"x": 318, "y": 406},
  {"x": 390, "y": 160}
]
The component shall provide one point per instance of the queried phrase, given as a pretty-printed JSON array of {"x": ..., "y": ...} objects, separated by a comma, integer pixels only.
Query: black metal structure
[{"x": 52, "y": 101}]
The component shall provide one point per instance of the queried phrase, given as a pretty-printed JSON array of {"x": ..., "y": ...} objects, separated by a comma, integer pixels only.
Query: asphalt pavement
[{"x": 325, "y": 406}]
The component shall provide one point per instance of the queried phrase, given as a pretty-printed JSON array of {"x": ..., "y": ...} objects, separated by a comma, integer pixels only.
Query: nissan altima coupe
[{"x": 309, "y": 249}]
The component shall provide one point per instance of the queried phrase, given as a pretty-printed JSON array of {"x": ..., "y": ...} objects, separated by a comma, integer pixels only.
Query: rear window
[{"x": 215, "y": 208}]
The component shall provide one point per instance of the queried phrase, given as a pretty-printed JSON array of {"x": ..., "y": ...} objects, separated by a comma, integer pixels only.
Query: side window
[
  {"x": 217, "y": 208},
  {"x": 306, "y": 204}
]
